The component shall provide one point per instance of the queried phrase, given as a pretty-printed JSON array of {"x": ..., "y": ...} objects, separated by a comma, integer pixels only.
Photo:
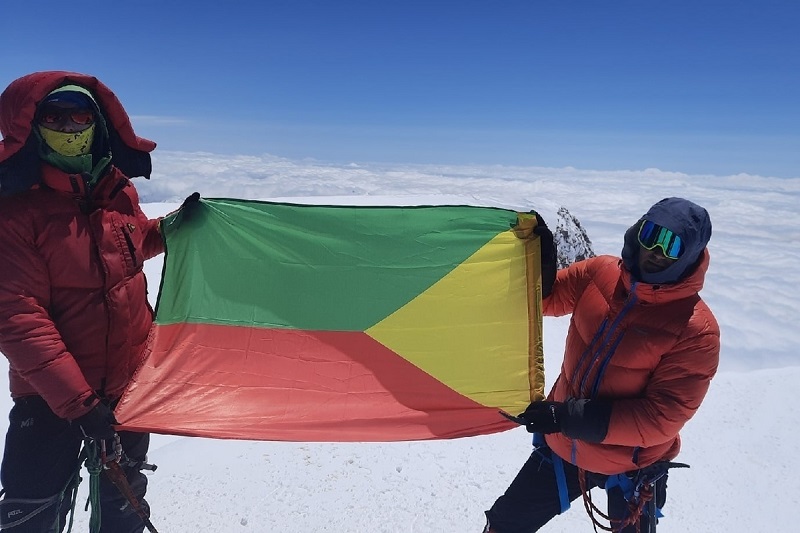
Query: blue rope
[{"x": 608, "y": 337}]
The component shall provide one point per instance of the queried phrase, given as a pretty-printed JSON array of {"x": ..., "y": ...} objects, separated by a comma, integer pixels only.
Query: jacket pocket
[
  {"x": 126, "y": 232},
  {"x": 129, "y": 245}
]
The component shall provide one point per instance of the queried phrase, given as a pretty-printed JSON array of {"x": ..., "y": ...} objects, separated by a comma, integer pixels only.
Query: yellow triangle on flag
[{"x": 470, "y": 329}]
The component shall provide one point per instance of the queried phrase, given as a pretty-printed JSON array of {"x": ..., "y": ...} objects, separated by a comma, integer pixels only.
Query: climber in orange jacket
[{"x": 641, "y": 350}]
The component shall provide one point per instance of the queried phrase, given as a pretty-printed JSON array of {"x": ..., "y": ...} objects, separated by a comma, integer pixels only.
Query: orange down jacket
[
  {"x": 650, "y": 350},
  {"x": 74, "y": 316}
]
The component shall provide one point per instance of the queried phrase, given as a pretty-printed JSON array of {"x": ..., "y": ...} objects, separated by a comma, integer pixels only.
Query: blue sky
[{"x": 696, "y": 87}]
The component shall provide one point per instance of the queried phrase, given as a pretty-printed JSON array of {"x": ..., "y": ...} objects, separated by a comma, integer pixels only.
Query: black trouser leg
[
  {"x": 532, "y": 499},
  {"x": 40, "y": 456}
]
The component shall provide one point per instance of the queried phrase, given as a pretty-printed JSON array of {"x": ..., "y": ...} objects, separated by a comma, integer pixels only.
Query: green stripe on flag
[{"x": 334, "y": 268}]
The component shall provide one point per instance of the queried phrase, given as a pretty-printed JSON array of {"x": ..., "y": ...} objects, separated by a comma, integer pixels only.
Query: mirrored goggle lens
[
  {"x": 54, "y": 116},
  {"x": 652, "y": 235}
]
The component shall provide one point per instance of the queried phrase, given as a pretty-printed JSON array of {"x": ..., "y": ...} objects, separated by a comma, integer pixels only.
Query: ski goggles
[
  {"x": 56, "y": 116},
  {"x": 652, "y": 235}
]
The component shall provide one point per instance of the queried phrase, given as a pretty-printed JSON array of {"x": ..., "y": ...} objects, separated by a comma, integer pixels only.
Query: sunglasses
[
  {"x": 652, "y": 235},
  {"x": 55, "y": 116}
]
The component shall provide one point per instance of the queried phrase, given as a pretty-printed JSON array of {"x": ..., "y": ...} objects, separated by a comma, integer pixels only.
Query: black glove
[
  {"x": 191, "y": 201},
  {"x": 190, "y": 205},
  {"x": 540, "y": 417},
  {"x": 549, "y": 255},
  {"x": 97, "y": 423},
  {"x": 187, "y": 209}
]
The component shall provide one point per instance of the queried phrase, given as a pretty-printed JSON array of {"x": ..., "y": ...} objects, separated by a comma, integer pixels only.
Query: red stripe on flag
[{"x": 292, "y": 385}]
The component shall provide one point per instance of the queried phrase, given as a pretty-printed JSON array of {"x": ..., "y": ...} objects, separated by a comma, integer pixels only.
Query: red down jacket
[
  {"x": 74, "y": 316},
  {"x": 651, "y": 351}
]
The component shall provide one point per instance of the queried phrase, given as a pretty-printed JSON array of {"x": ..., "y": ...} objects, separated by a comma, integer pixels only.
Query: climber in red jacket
[{"x": 74, "y": 315}]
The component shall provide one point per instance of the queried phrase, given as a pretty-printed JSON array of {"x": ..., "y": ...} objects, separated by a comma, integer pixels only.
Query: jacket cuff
[{"x": 586, "y": 420}]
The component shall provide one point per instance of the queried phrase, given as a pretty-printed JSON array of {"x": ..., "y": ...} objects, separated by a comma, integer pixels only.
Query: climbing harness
[
  {"x": 558, "y": 469},
  {"x": 638, "y": 488}
]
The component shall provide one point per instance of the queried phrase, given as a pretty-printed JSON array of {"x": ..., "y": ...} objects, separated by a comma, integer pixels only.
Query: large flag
[{"x": 341, "y": 323}]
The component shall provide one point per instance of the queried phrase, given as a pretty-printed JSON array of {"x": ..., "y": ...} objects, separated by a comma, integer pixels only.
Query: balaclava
[{"x": 78, "y": 152}]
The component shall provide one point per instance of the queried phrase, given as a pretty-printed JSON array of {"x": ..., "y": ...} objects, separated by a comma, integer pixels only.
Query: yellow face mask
[{"x": 69, "y": 144}]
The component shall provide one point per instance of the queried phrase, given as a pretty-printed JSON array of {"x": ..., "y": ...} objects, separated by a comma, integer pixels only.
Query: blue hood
[{"x": 685, "y": 218}]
